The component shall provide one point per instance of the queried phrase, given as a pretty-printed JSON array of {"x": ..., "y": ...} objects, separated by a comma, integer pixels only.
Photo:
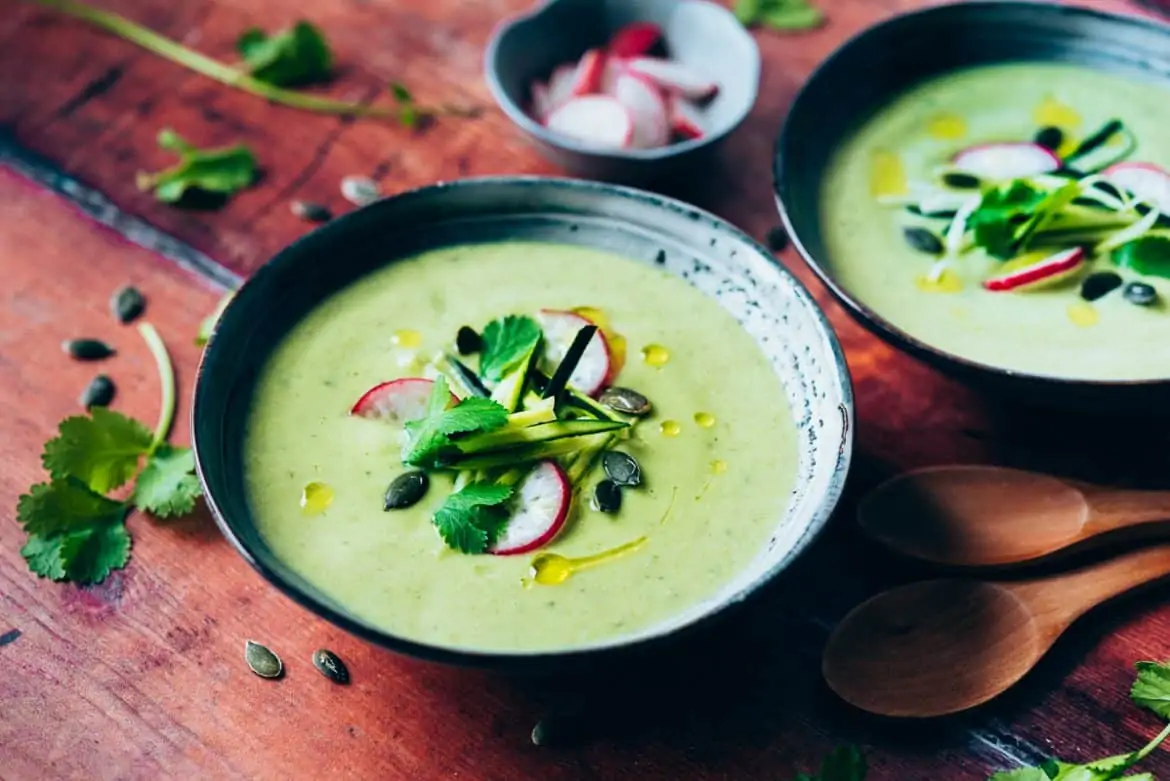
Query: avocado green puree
[
  {"x": 1048, "y": 331},
  {"x": 704, "y": 523}
]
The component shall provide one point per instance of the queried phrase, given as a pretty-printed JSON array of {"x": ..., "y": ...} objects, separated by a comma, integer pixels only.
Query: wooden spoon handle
[
  {"x": 1111, "y": 509},
  {"x": 1059, "y": 600}
]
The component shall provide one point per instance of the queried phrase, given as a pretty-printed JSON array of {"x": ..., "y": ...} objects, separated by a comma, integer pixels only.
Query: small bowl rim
[
  {"x": 889, "y": 332},
  {"x": 521, "y": 119},
  {"x": 818, "y": 515}
]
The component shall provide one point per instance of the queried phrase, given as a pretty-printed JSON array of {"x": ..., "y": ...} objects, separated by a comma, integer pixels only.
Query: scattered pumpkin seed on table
[
  {"x": 311, "y": 212},
  {"x": 262, "y": 661},
  {"x": 87, "y": 349},
  {"x": 777, "y": 238},
  {"x": 360, "y": 190},
  {"x": 330, "y": 665},
  {"x": 127, "y": 304},
  {"x": 99, "y": 392}
]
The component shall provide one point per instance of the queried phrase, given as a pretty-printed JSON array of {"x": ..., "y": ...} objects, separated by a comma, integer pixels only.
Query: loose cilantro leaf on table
[
  {"x": 845, "y": 763},
  {"x": 506, "y": 342},
  {"x": 429, "y": 439},
  {"x": 207, "y": 325},
  {"x": 470, "y": 519},
  {"x": 292, "y": 57},
  {"x": 1151, "y": 689},
  {"x": 167, "y": 485},
  {"x": 779, "y": 14},
  {"x": 73, "y": 532},
  {"x": 224, "y": 171},
  {"x": 102, "y": 449},
  {"x": 1148, "y": 255}
]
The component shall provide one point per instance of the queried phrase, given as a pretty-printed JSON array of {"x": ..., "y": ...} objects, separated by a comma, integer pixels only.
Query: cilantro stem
[
  {"x": 211, "y": 68},
  {"x": 1153, "y": 744},
  {"x": 166, "y": 378}
]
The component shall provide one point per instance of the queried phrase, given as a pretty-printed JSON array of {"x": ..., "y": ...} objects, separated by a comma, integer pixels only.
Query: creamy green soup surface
[
  {"x": 1047, "y": 331},
  {"x": 711, "y": 498}
]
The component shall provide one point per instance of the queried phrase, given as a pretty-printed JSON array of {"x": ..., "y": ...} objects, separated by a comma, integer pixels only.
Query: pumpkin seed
[
  {"x": 87, "y": 349},
  {"x": 1049, "y": 137},
  {"x": 1100, "y": 285},
  {"x": 467, "y": 341},
  {"x": 607, "y": 496},
  {"x": 405, "y": 490},
  {"x": 262, "y": 661},
  {"x": 923, "y": 240},
  {"x": 99, "y": 392},
  {"x": 330, "y": 666},
  {"x": 360, "y": 190},
  {"x": 777, "y": 239},
  {"x": 127, "y": 304},
  {"x": 564, "y": 726},
  {"x": 961, "y": 181},
  {"x": 310, "y": 212},
  {"x": 1140, "y": 293},
  {"x": 626, "y": 401},
  {"x": 621, "y": 468}
]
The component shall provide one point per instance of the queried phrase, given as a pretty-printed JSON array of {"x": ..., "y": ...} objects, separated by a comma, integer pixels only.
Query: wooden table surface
[{"x": 142, "y": 676}]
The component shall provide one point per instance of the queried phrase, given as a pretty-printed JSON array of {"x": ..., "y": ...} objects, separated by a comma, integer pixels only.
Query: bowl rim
[
  {"x": 520, "y": 117},
  {"x": 817, "y": 515},
  {"x": 889, "y": 332}
]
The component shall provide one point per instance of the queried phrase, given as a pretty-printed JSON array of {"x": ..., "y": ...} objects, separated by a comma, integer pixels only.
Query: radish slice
[
  {"x": 635, "y": 39},
  {"x": 1147, "y": 181},
  {"x": 1007, "y": 161},
  {"x": 674, "y": 77},
  {"x": 541, "y": 101},
  {"x": 541, "y": 507},
  {"x": 647, "y": 108},
  {"x": 559, "y": 329},
  {"x": 560, "y": 86},
  {"x": 397, "y": 401},
  {"x": 613, "y": 68},
  {"x": 587, "y": 77},
  {"x": 595, "y": 119},
  {"x": 1049, "y": 270},
  {"x": 685, "y": 119}
]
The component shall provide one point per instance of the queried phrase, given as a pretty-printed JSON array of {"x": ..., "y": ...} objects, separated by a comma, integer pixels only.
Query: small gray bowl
[{"x": 702, "y": 34}]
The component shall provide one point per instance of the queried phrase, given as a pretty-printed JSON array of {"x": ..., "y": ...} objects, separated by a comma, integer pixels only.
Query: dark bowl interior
[
  {"x": 631, "y": 223},
  {"x": 870, "y": 70}
]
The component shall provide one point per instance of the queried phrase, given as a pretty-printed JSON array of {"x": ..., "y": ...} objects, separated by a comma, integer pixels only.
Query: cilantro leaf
[
  {"x": 1010, "y": 215},
  {"x": 1021, "y": 774},
  {"x": 293, "y": 57},
  {"x": 470, "y": 519},
  {"x": 779, "y": 14},
  {"x": 91, "y": 554},
  {"x": 63, "y": 505},
  {"x": 43, "y": 555},
  {"x": 167, "y": 485},
  {"x": 429, "y": 440},
  {"x": 74, "y": 533},
  {"x": 101, "y": 449},
  {"x": 1151, "y": 689},
  {"x": 844, "y": 763},
  {"x": 1149, "y": 254},
  {"x": 505, "y": 343},
  {"x": 224, "y": 171}
]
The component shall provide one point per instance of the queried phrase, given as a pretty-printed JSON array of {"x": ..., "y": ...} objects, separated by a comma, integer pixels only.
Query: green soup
[
  {"x": 712, "y": 495},
  {"x": 1050, "y": 331}
]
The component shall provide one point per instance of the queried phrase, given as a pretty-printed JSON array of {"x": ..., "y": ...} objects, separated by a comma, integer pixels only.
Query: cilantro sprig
[
  {"x": 782, "y": 15},
  {"x": 470, "y": 519},
  {"x": 292, "y": 57},
  {"x": 1149, "y": 254},
  {"x": 221, "y": 171},
  {"x": 506, "y": 342},
  {"x": 75, "y": 531},
  {"x": 429, "y": 441},
  {"x": 1009, "y": 216}
]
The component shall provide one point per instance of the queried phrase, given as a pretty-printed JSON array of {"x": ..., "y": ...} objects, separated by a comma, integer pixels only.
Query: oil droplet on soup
[
  {"x": 886, "y": 175},
  {"x": 947, "y": 127},
  {"x": 946, "y": 282},
  {"x": 315, "y": 497},
  {"x": 1051, "y": 112},
  {"x": 718, "y": 466},
  {"x": 406, "y": 338},
  {"x": 1083, "y": 314},
  {"x": 615, "y": 341},
  {"x": 655, "y": 355},
  {"x": 669, "y": 428},
  {"x": 704, "y": 419}
]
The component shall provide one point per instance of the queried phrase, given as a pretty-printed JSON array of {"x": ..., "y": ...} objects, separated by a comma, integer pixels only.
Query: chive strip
[
  {"x": 467, "y": 378},
  {"x": 1097, "y": 139},
  {"x": 560, "y": 377},
  {"x": 166, "y": 378},
  {"x": 211, "y": 68}
]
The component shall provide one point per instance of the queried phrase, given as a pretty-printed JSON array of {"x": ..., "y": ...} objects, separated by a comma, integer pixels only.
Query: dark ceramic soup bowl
[
  {"x": 709, "y": 254},
  {"x": 879, "y": 64}
]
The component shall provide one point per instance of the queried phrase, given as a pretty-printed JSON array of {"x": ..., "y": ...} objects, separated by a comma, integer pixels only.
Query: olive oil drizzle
[{"x": 551, "y": 569}]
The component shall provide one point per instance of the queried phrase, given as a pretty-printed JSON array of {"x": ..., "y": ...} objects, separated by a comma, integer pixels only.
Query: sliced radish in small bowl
[
  {"x": 542, "y": 103},
  {"x": 560, "y": 86},
  {"x": 539, "y": 511},
  {"x": 595, "y": 119},
  {"x": 674, "y": 77},
  {"x": 1147, "y": 181},
  {"x": 559, "y": 330},
  {"x": 589, "y": 72},
  {"x": 397, "y": 401},
  {"x": 1044, "y": 272},
  {"x": 634, "y": 39},
  {"x": 1007, "y": 160},
  {"x": 647, "y": 108},
  {"x": 685, "y": 119}
]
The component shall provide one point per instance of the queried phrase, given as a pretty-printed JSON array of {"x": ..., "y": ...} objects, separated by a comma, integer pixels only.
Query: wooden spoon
[
  {"x": 981, "y": 516},
  {"x": 942, "y": 646}
]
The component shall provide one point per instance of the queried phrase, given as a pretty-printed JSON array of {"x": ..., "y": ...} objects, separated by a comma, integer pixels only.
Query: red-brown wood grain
[{"x": 143, "y": 678}]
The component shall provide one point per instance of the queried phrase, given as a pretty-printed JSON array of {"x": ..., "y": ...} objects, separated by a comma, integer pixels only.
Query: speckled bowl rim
[
  {"x": 818, "y": 515},
  {"x": 526, "y": 123},
  {"x": 860, "y": 311}
]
